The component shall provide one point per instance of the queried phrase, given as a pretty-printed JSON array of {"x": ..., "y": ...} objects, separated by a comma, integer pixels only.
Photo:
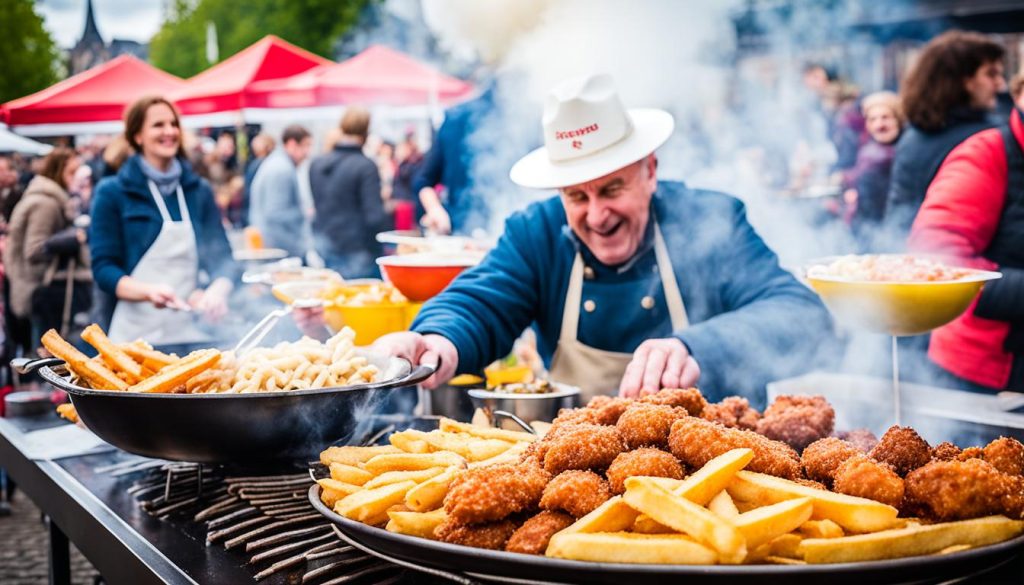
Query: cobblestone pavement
[{"x": 24, "y": 548}]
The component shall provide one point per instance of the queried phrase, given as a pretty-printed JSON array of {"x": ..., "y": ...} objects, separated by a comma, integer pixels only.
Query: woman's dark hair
[
  {"x": 135, "y": 119},
  {"x": 935, "y": 84},
  {"x": 55, "y": 163}
]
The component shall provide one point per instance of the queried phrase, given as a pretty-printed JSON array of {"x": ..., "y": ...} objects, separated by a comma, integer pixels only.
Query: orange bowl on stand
[{"x": 422, "y": 276}]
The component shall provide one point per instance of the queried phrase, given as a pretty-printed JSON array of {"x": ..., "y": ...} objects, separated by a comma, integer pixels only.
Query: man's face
[
  {"x": 298, "y": 150},
  {"x": 609, "y": 214}
]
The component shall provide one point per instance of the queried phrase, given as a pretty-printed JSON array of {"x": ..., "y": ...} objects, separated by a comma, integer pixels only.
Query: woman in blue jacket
[{"x": 156, "y": 234}]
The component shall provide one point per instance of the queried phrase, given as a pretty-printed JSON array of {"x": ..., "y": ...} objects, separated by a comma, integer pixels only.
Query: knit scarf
[{"x": 166, "y": 181}]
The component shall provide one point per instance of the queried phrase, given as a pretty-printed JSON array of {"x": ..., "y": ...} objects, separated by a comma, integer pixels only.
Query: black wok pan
[
  {"x": 229, "y": 428},
  {"x": 521, "y": 568}
]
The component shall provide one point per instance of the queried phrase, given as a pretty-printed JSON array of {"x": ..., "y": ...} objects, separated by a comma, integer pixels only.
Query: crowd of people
[{"x": 107, "y": 230}]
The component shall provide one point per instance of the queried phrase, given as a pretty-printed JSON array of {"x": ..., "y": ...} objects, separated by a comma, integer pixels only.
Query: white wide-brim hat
[{"x": 588, "y": 134}]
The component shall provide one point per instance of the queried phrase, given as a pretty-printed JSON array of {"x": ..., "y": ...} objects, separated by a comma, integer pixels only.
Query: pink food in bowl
[{"x": 422, "y": 276}]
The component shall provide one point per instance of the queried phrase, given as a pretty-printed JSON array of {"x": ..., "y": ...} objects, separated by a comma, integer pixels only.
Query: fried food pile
[{"x": 669, "y": 478}]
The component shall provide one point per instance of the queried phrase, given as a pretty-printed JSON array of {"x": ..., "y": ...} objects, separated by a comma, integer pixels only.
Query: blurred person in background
[
  {"x": 404, "y": 199},
  {"x": 10, "y": 189},
  {"x": 866, "y": 184},
  {"x": 349, "y": 211},
  {"x": 948, "y": 95},
  {"x": 45, "y": 258},
  {"x": 117, "y": 151},
  {"x": 837, "y": 102},
  {"x": 157, "y": 239},
  {"x": 276, "y": 208},
  {"x": 974, "y": 214},
  {"x": 447, "y": 164},
  {"x": 388, "y": 166},
  {"x": 262, "y": 145},
  {"x": 80, "y": 190}
]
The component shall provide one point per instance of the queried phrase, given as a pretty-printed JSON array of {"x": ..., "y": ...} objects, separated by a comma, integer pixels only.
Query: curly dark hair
[{"x": 935, "y": 84}]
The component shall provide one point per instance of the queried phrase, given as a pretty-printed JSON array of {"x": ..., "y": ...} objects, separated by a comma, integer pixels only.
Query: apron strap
[
  {"x": 573, "y": 295},
  {"x": 158, "y": 198},
  {"x": 673, "y": 298}
]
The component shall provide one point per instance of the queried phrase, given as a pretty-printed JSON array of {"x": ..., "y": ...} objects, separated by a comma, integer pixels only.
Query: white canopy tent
[{"x": 11, "y": 142}]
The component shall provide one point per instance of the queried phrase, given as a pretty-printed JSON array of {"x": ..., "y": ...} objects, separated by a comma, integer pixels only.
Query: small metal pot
[
  {"x": 450, "y": 400},
  {"x": 528, "y": 407}
]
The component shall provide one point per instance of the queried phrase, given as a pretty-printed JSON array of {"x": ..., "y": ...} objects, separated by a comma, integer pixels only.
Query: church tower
[{"x": 90, "y": 49}]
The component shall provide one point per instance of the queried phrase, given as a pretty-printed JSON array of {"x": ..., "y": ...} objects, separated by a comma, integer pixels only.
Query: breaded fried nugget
[
  {"x": 823, "y": 457},
  {"x": 490, "y": 535},
  {"x": 642, "y": 462},
  {"x": 971, "y": 453},
  {"x": 945, "y": 451},
  {"x": 734, "y": 412},
  {"x": 533, "y": 536},
  {"x": 491, "y": 493},
  {"x": 810, "y": 483},
  {"x": 797, "y": 421},
  {"x": 648, "y": 425},
  {"x": 572, "y": 416},
  {"x": 689, "y": 398},
  {"x": 862, "y": 439},
  {"x": 608, "y": 409},
  {"x": 957, "y": 490},
  {"x": 582, "y": 446},
  {"x": 903, "y": 449},
  {"x": 863, "y": 477},
  {"x": 696, "y": 441},
  {"x": 1006, "y": 455},
  {"x": 576, "y": 492}
]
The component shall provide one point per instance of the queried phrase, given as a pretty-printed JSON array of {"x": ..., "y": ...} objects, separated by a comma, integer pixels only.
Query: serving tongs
[{"x": 266, "y": 324}]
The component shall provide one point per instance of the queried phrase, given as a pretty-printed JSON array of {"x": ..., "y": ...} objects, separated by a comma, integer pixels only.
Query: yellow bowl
[
  {"x": 899, "y": 308},
  {"x": 512, "y": 375},
  {"x": 368, "y": 321}
]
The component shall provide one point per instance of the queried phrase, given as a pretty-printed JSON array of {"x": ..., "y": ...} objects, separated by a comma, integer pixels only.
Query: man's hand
[
  {"x": 657, "y": 364},
  {"x": 427, "y": 350}
]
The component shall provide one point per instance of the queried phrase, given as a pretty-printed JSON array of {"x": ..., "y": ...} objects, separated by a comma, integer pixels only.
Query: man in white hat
[{"x": 632, "y": 285}]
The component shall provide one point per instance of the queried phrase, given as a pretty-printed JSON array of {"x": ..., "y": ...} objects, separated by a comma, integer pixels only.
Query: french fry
[
  {"x": 176, "y": 374},
  {"x": 413, "y": 461},
  {"x": 785, "y": 545},
  {"x": 430, "y": 494},
  {"x": 625, "y": 547},
  {"x": 417, "y": 476},
  {"x": 370, "y": 506},
  {"x": 716, "y": 474},
  {"x": 143, "y": 353},
  {"x": 350, "y": 474},
  {"x": 820, "y": 529},
  {"x": 354, "y": 456},
  {"x": 409, "y": 441},
  {"x": 907, "y": 542},
  {"x": 511, "y": 455},
  {"x": 684, "y": 515},
  {"x": 67, "y": 411},
  {"x": 644, "y": 524},
  {"x": 448, "y": 424},
  {"x": 764, "y": 524},
  {"x": 614, "y": 515},
  {"x": 338, "y": 486},
  {"x": 95, "y": 374},
  {"x": 852, "y": 513},
  {"x": 112, "y": 354},
  {"x": 723, "y": 505},
  {"x": 420, "y": 524},
  {"x": 777, "y": 560}
]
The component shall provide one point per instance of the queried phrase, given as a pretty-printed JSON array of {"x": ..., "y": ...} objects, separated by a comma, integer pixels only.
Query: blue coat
[
  {"x": 750, "y": 321},
  {"x": 126, "y": 222}
]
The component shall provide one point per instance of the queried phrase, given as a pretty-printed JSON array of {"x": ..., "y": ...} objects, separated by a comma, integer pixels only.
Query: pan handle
[
  {"x": 417, "y": 375},
  {"x": 28, "y": 365}
]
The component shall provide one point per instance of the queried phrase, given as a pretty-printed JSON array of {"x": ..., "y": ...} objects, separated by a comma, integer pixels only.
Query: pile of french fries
[
  {"x": 722, "y": 514},
  {"x": 403, "y": 485}
]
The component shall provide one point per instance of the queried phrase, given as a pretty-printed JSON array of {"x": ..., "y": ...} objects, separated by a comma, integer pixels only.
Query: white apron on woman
[
  {"x": 597, "y": 371},
  {"x": 173, "y": 259}
]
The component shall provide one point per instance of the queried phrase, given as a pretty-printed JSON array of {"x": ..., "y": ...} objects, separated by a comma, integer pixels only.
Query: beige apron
[
  {"x": 172, "y": 259},
  {"x": 597, "y": 371}
]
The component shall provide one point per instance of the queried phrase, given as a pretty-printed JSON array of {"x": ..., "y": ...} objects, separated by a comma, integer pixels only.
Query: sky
[{"x": 136, "y": 20}]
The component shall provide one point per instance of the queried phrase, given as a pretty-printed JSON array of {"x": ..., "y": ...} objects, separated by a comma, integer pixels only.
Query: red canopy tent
[
  {"x": 92, "y": 101},
  {"x": 221, "y": 87},
  {"x": 377, "y": 76}
]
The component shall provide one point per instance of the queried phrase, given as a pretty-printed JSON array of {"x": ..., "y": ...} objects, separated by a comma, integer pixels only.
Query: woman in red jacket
[{"x": 974, "y": 213}]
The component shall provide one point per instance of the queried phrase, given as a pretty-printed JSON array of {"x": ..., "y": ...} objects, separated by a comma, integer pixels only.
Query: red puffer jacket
[{"x": 963, "y": 211}]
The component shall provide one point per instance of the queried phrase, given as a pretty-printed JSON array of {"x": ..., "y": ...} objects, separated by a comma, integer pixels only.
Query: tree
[
  {"x": 27, "y": 51},
  {"x": 180, "y": 45}
]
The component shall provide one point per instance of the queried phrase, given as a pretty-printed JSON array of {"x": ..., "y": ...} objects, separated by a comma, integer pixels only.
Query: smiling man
[{"x": 632, "y": 284}]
